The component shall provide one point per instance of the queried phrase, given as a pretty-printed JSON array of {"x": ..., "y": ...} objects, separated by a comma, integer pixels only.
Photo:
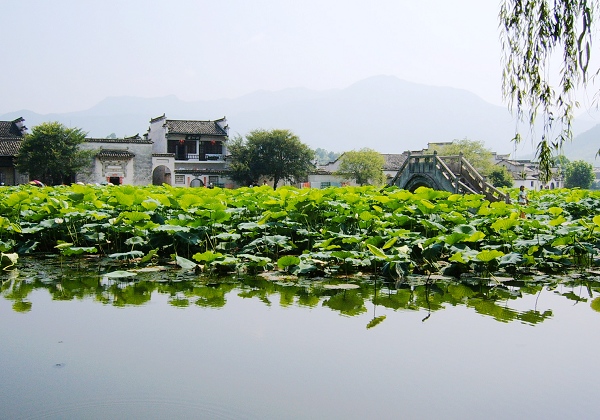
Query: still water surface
[{"x": 78, "y": 345}]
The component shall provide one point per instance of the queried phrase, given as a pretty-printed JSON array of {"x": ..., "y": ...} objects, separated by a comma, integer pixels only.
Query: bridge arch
[{"x": 421, "y": 180}]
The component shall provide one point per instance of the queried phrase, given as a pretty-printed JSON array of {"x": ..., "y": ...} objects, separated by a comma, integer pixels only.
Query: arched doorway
[
  {"x": 196, "y": 182},
  {"x": 161, "y": 175}
]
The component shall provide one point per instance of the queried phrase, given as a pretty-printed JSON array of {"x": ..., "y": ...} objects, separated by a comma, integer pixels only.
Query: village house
[
  {"x": 11, "y": 136},
  {"x": 324, "y": 176},
  {"x": 118, "y": 161},
  {"x": 527, "y": 173},
  {"x": 193, "y": 153},
  {"x": 189, "y": 153}
]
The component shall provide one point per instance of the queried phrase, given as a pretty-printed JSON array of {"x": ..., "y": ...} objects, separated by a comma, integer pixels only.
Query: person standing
[{"x": 523, "y": 199}]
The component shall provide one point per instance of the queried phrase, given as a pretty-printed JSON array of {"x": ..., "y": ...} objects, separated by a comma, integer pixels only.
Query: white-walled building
[
  {"x": 118, "y": 161},
  {"x": 189, "y": 153}
]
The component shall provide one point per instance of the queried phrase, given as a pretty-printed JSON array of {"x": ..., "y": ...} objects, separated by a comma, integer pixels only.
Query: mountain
[
  {"x": 584, "y": 146},
  {"x": 385, "y": 113}
]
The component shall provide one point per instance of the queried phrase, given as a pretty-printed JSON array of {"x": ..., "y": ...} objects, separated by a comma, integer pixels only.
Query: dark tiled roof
[
  {"x": 163, "y": 154},
  {"x": 9, "y": 130},
  {"x": 112, "y": 154},
  {"x": 393, "y": 161},
  {"x": 9, "y": 147},
  {"x": 194, "y": 127}
]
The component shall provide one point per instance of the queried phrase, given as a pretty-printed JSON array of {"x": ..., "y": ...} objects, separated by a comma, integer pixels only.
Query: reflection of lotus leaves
[
  {"x": 344, "y": 286},
  {"x": 179, "y": 302},
  {"x": 22, "y": 306},
  {"x": 486, "y": 307},
  {"x": 460, "y": 291},
  {"x": 347, "y": 303},
  {"x": 375, "y": 321},
  {"x": 596, "y": 304}
]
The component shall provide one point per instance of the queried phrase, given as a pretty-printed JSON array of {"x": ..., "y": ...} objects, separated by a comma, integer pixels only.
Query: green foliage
[
  {"x": 473, "y": 150},
  {"x": 51, "y": 153},
  {"x": 307, "y": 232},
  {"x": 364, "y": 166},
  {"x": 580, "y": 174},
  {"x": 323, "y": 156},
  {"x": 278, "y": 155},
  {"x": 533, "y": 32},
  {"x": 500, "y": 177}
]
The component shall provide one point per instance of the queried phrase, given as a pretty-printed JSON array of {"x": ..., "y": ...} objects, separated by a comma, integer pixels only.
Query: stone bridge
[{"x": 450, "y": 173}]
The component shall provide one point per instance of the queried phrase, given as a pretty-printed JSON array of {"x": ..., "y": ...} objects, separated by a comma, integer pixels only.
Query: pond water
[{"x": 77, "y": 344}]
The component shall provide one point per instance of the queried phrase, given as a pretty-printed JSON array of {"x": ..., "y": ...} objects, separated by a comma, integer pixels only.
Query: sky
[{"x": 67, "y": 55}]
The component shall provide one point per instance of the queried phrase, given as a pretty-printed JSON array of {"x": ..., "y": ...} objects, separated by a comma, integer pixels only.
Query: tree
[
  {"x": 500, "y": 177},
  {"x": 51, "y": 153},
  {"x": 472, "y": 150},
  {"x": 579, "y": 173},
  {"x": 364, "y": 166},
  {"x": 276, "y": 154},
  {"x": 323, "y": 156},
  {"x": 532, "y": 31}
]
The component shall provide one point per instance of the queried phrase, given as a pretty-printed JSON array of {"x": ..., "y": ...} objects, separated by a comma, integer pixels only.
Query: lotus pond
[{"x": 157, "y": 302}]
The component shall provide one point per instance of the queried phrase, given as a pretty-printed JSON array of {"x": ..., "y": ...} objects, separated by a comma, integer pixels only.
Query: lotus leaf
[{"x": 119, "y": 274}]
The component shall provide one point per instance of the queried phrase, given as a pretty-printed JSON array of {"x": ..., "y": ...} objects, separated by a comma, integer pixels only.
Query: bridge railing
[
  {"x": 463, "y": 168},
  {"x": 463, "y": 177},
  {"x": 490, "y": 192}
]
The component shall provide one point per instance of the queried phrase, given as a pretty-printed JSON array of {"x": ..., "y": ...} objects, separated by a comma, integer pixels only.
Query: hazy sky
[{"x": 67, "y": 55}]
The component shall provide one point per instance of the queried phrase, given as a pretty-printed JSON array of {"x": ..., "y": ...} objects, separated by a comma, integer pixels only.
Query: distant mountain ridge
[{"x": 385, "y": 113}]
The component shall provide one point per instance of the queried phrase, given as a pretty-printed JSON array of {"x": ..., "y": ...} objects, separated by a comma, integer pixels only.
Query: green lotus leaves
[
  {"x": 208, "y": 256},
  {"x": 80, "y": 250},
  {"x": 504, "y": 224},
  {"x": 184, "y": 263},
  {"x": 8, "y": 261},
  {"x": 337, "y": 230},
  {"x": 287, "y": 261},
  {"x": 119, "y": 274},
  {"x": 390, "y": 242},
  {"x": 376, "y": 251},
  {"x": 134, "y": 216},
  {"x": 488, "y": 255},
  {"x": 454, "y": 238},
  {"x": 595, "y": 304}
]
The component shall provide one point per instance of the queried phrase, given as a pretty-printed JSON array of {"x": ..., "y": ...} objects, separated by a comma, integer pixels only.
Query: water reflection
[{"x": 491, "y": 298}]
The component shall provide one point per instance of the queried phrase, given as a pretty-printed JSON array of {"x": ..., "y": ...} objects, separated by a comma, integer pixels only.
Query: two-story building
[{"x": 189, "y": 153}]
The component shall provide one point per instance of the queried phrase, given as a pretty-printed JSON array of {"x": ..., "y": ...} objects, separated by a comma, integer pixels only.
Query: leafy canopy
[
  {"x": 51, "y": 153},
  {"x": 580, "y": 174},
  {"x": 532, "y": 32},
  {"x": 278, "y": 155},
  {"x": 473, "y": 150},
  {"x": 324, "y": 157},
  {"x": 364, "y": 166},
  {"x": 500, "y": 177}
]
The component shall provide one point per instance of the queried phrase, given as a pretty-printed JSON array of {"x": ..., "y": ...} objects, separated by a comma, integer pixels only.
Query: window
[
  {"x": 213, "y": 179},
  {"x": 325, "y": 184},
  {"x": 213, "y": 147},
  {"x": 191, "y": 147},
  {"x": 180, "y": 179}
]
